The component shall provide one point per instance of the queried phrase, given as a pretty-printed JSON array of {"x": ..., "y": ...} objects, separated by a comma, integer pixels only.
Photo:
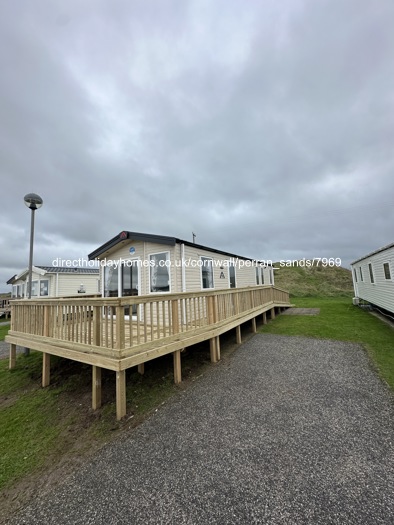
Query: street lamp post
[{"x": 32, "y": 201}]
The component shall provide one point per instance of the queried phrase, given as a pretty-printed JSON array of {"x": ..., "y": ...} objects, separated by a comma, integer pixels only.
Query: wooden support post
[
  {"x": 217, "y": 348},
  {"x": 46, "y": 369},
  {"x": 141, "y": 368},
  {"x": 273, "y": 313},
  {"x": 120, "y": 394},
  {"x": 96, "y": 387},
  {"x": 177, "y": 367},
  {"x": 238, "y": 334},
  {"x": 254, "y": 328},
  {"x": 12, "y": 362},
  {"x": 212, "y": 350},
  {"x": 265, "y": 318}
]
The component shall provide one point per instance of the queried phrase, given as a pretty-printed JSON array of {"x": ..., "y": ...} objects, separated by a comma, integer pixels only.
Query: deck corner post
[
  {"x": 46, "y": 369},
  {"x": 141, "y": 368},
  {"x": 12, "y": 362},
  {"x": 273, "y": 313},
  {"x": 96, "y": 387},
  {"x": 120, "y": 394},
  {"x": 177, "y": 367},
  {"x": 264, "y": 317}
]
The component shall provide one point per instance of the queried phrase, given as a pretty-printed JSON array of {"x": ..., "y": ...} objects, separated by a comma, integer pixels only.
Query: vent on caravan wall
[{"x": 356, "y": 301}]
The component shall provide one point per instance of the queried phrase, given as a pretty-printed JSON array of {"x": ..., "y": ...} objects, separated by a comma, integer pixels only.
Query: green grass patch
[
  {"x": 315, "y": 281},
  {"x": 340, "y": 320},
  {"x": 39, "y": 427},
  {"x": 28, "y": 430},
  {"x": 4, "y": 331}
]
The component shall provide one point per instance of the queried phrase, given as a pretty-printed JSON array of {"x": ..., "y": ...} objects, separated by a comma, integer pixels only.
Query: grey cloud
[{"x": 264, "y": 127}]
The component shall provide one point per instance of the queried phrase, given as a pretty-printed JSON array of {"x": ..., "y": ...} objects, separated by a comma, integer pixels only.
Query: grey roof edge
[
  {"x": 391, "y": 245},
  {"x": 68, "y": 269},
  {"x": 74, "y": 270},
  {"x": 159, "y": 239}
]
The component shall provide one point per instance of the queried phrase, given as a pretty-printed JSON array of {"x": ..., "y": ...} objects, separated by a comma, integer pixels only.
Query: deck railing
[
  {"x": 123, "y": 322},
  {"x": 121, "y": 332}
]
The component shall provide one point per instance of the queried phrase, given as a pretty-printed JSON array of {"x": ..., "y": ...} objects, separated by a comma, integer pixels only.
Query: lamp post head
[{"x": 33, "y": 201}]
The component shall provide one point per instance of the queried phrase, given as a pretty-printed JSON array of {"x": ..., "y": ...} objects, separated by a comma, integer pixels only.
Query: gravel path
[
  {"x": 285, "y": 431},
  {"x": 5, "y": 349}
]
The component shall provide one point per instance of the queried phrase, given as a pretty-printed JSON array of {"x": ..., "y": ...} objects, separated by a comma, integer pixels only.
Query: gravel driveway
[{"x": 285, "y": 431}]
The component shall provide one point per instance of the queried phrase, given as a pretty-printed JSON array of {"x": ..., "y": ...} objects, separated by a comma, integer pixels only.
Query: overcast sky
[{"x": 265, "y": 127}]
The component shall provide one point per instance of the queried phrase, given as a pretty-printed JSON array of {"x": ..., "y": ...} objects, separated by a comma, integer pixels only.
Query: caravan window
[
  {"x": 111, "y": 287},
  {"x": 231, "y": 275},
  {"x": 206, "y": 272},
  {"x": 159, "y": 272},
  {"x": 44, "y": 287},
  {"x": 371, "y": 273},
  {"x": 34, "y": 288},
  {"x": 386, "y": 268}
]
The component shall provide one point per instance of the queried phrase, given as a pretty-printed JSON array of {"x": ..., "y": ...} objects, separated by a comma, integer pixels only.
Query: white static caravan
[
  {"x": 373, "y": 277},
  {"x": 55, "y": 281},
  {"x": 141, "y": 264}
]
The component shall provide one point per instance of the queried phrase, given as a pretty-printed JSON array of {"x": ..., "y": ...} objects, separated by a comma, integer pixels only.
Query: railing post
[
  {"x": 214, "y": 342},
  {"x": 174, "y": 316},
  {"x": 120, "y": 328},
  {"x": 175, "y": 330},
  {"x": 96, "y": 325}
]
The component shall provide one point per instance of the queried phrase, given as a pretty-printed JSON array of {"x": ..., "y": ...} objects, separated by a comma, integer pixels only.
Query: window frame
[
  {"x": 168, "y": 258},
  {"x": 232, "y": 266},
  {"x": 39, "y": 286},
  {"x": 387, "y": 265},
  {"x": 371, "y": 275},
  {"x": 201, "y": 273}
]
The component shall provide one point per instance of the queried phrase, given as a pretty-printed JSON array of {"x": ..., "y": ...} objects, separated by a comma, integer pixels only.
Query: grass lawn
[
  {"x": 339, "y": 319},
  {"x": 4, "y": 331},
  {"x": 41, "y": 427}
]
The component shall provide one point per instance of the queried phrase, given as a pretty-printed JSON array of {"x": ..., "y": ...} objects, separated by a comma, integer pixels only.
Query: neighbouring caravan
[
  {"x": 140, "y": 264},
  {"x": 55, "y": 281},
  {"x": 373, "y": 278}
]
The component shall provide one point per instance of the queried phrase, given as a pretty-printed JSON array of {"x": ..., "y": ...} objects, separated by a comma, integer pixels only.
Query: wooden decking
[{"x": 118, "y": 333}]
